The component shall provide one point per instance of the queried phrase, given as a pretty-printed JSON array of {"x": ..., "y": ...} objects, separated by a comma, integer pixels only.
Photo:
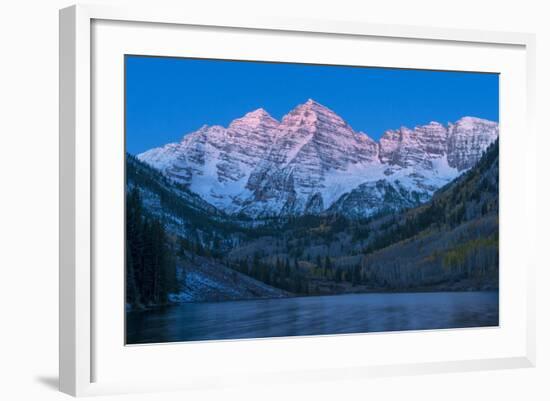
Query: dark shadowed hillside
[
  {"x": 174, "y": 245},
  {"x": 451, "y": 242}
]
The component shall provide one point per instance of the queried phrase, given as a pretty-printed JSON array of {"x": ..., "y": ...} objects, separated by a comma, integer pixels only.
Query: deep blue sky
[{"x": 167, "y": 98}]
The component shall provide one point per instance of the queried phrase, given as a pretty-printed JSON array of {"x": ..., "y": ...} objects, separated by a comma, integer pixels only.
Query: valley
[{"x": 448, "y": 243}]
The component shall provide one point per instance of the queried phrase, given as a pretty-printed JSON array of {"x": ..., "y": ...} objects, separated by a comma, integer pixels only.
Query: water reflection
[{"x": 354, "y": 313}]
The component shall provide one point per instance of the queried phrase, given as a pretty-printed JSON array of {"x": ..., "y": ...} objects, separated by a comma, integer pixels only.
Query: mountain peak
[
  {"x": 261, "y": 112},
  {"x": 309, "y": 112},
  {"x": 254, "y": 119},
  {"x": 203, "y": 129},
  {"x": 311, "y": 104},
  {"x": 470, "y": 120}
]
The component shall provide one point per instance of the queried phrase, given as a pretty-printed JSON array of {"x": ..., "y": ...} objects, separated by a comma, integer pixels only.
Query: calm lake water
[{"x": 354, "y": 313}]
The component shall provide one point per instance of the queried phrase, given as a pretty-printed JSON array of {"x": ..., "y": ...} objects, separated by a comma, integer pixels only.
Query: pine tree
[
  {"x": 150, "y": 258},
  {"x": 132, "y": 295},
  {"x": 318, "y": 262},
  {"x": 356, "y": 274},
  {"x": 328, "y": 264}
]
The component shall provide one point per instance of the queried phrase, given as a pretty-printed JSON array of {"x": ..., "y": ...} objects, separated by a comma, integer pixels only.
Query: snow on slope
[
  {"x": 313, "y": 161},
  {"x": 205, "y": 280}
]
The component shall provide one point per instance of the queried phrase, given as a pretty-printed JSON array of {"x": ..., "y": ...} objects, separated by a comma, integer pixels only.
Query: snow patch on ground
[{"x": 206, "y": 280}]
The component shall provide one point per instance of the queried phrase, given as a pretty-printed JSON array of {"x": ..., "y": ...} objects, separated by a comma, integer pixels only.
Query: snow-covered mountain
[{"x": 312, "y": 161}]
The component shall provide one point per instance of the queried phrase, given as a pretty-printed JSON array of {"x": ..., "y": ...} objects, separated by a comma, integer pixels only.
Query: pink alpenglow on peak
[
  {"x": 312, "y": 160},
  {"x": 255, "y": 118}
]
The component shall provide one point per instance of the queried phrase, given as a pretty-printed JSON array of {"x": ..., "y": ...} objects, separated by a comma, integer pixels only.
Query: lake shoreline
[{"x": 418, "y": 290}]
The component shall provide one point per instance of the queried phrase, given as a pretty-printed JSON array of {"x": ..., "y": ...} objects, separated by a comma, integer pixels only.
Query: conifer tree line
[
  {"x": 150, "y": 259},
  {"x": 288, "y": 275}
]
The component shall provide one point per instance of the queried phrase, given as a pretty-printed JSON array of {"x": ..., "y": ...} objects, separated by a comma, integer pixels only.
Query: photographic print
[{"x": 270, "y": 199}]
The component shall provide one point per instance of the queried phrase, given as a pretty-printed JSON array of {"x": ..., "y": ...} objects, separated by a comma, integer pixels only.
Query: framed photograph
[{"x": 278, "y": 200}]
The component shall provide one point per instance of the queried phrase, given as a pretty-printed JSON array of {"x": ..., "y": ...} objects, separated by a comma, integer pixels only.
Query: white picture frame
[{"x": 78, "y": 165}]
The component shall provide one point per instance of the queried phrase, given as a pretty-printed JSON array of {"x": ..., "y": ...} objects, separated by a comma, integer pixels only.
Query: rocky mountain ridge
[{"x": 313, "y": 162}]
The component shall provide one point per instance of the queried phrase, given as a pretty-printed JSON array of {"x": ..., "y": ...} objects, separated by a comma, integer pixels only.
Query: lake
[{"x": 335, "y": 314}]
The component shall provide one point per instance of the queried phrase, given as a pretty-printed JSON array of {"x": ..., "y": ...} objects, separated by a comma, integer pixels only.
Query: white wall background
[{"x": 29, "y": 186}]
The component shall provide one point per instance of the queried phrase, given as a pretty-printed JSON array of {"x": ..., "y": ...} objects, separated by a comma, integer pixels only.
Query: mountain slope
[
  {"x": 450, "y": 241},
  {"x": 299, "y": 174},
  {"x": 205, "y": 279},
  {"x": 447, "y": 243},
  {"x": 198, "y": 235},
  {"x": 182, "y": 212}
]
